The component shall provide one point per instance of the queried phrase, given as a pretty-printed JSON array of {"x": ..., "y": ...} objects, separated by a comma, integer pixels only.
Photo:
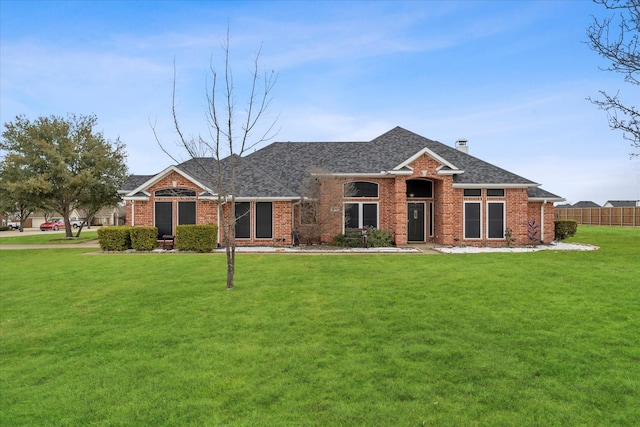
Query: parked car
[
  {"x": 54, "y": 224},
  {"x": 76, "y": 223},
  {"x": 13, "y": 225}
]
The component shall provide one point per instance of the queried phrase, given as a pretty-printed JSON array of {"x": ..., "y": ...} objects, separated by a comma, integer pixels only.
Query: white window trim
[
  {"x": 504, "y": 219},
  {"x": 464, "y": 220},
  {"x": 360, "y": 212}
]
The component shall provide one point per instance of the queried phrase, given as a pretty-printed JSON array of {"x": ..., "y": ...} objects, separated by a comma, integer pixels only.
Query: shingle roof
[
  {"x": 586, "y": 204},
  {"x": 279, "y": 169},
  {"x": 621, "y": 203},
  {"x": 134, "y": 181}
]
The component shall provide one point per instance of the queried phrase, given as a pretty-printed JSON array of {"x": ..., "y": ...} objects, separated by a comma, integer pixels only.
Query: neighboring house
[
  {"x": 564, "y": 206},
  {"x": 585, "y": 204},
  {"x": 417, "y": 189},
  {"x": 109, "y": 216},
  {"x": 621, "y": 203},
  {"x": 37, "y": 218}
]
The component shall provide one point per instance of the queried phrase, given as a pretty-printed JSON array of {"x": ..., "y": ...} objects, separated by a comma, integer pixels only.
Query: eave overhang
[
  {"x": 433, "y": 155},
  {"x": 485, "y": 185}
]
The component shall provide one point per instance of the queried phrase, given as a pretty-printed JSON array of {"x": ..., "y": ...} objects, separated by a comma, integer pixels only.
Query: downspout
[
  {"x": 293, "y": 219},
  {"x": 133, "y": 213},
  {"x": 542, "y": 221}
]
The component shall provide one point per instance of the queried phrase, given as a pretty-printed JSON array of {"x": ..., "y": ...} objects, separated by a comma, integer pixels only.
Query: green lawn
[
  {"x": 512, "y": 339},
  {"x": 48, "y": 237}
]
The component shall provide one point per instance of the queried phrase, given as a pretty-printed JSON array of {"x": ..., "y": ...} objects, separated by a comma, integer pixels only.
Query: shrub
[
  {"x": 143, "y": 238},
  {"x": 116, "y": 238},
  {"x": 375, "y": 237},
  {"x": 565, "y": 228},
  {"x": 379, "y": 238},
  {"x": 197, "y": 238},
  {"x": 351, "y": 239}
]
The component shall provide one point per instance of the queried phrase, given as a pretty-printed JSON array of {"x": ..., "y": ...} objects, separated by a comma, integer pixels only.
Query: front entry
[
  {"x": 415, "y": 222},
  {"x": 164, "y": 218}
]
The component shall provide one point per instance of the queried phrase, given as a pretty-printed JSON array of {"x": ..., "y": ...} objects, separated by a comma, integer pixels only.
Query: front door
[{"x": 415, "y": 222}]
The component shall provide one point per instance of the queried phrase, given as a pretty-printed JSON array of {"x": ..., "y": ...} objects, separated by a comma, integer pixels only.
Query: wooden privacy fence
[{"x": 626, "y": 216}]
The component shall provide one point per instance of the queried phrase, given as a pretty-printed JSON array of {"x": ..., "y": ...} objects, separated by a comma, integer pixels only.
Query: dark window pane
[
  {"x": 243, "y": 220},
  {"x": 370, "y": 215},
  {"x": 351, "y": 215},
  {"x": 175, "y": 192},
  {"x": 264, "y": 220},
  {"x": 362, "y": 189},
  {"x": 495, "y": 192},
  {"x": 186, "y": 213},
  {"x": 496, "y": 220},
  {"x": 472, "y": 220},
  {"x": 472, "y": 192},
  {"x": 419, "y": 188},
  {"x": 164, "y": 218}
]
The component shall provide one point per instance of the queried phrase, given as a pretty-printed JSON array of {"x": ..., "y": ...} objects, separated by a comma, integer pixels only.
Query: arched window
[
  {"x": 360, "y": 189},
  {"x": 175, "y": 192}
]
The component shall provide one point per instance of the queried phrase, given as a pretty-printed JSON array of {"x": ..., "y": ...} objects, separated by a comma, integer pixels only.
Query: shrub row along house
[{"x": 417, "y": 189}]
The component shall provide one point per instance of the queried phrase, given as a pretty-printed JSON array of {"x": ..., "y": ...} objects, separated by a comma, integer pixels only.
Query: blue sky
[{"x": 511, "y": 77}]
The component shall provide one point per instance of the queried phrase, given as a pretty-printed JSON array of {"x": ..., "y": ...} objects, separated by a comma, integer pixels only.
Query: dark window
[
  {"x": 472, "y": 220},
  {"x": 164, "y": 218},
  {"x": 369, "y": 215},
  {"x": 359, "y": 215},
  {"x": 186, "y": 213},
  {"x": 495, "y": 220},
  {"x": 419, "y": 188},
  {"x": 472, "y": 192},
  {"x": 264, "y": 220},
  {"x": 175, "y": 192},
  {"x": 495, "y": 192},
  {"x": 243, "y": 220},
  {"x": 431, "y": 219},
  {"x": 361, "y": 189},
  {"x": 351, "y": 215}
]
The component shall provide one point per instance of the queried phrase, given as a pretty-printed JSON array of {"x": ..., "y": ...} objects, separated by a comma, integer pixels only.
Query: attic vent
[{"x": 461, "y": 145}]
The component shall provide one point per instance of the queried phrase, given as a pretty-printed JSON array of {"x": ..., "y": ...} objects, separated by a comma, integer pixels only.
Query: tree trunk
[{"x": 231, "y": 255}]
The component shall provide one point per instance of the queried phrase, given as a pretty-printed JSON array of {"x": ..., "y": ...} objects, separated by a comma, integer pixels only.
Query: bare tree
[
  {"x": 322, "y": 205},
  {"x": 218, "y": 155},
  {"x": 616, "y": 39}
]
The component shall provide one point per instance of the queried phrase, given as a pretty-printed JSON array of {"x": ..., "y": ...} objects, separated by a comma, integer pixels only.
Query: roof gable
[{"x": 152, "y": 179}]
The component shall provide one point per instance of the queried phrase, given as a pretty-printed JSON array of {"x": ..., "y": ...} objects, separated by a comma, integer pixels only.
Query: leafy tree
[
  {"x": 218, "y": 155},
  {"x": 20, "y": 191},
  {"x": 616, "y": 39},
  {"x": 65, "y": 163}
]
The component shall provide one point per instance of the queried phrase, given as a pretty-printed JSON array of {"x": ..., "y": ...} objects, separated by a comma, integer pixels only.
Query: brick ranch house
[{"x": 418, "y": 189}]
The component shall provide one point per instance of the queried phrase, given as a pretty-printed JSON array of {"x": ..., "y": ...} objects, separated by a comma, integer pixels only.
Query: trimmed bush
[
  {"x": 143, "y": 238},
  {"x": 196, "y": 237},
  {"x": 353, "y": 239},
  {"x": 565, "y": 228},
  {"x": 116, "y": 238},
  {"x": 379, "y": 238}
]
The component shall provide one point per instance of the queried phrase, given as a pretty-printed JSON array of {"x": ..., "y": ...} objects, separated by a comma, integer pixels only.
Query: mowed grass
[
  {"x": 48, "y": 237},
  {"x": 527, "y": 339}
]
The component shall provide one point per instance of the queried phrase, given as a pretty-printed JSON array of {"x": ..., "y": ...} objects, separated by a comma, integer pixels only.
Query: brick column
[{"x": 401, "y": 212}]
